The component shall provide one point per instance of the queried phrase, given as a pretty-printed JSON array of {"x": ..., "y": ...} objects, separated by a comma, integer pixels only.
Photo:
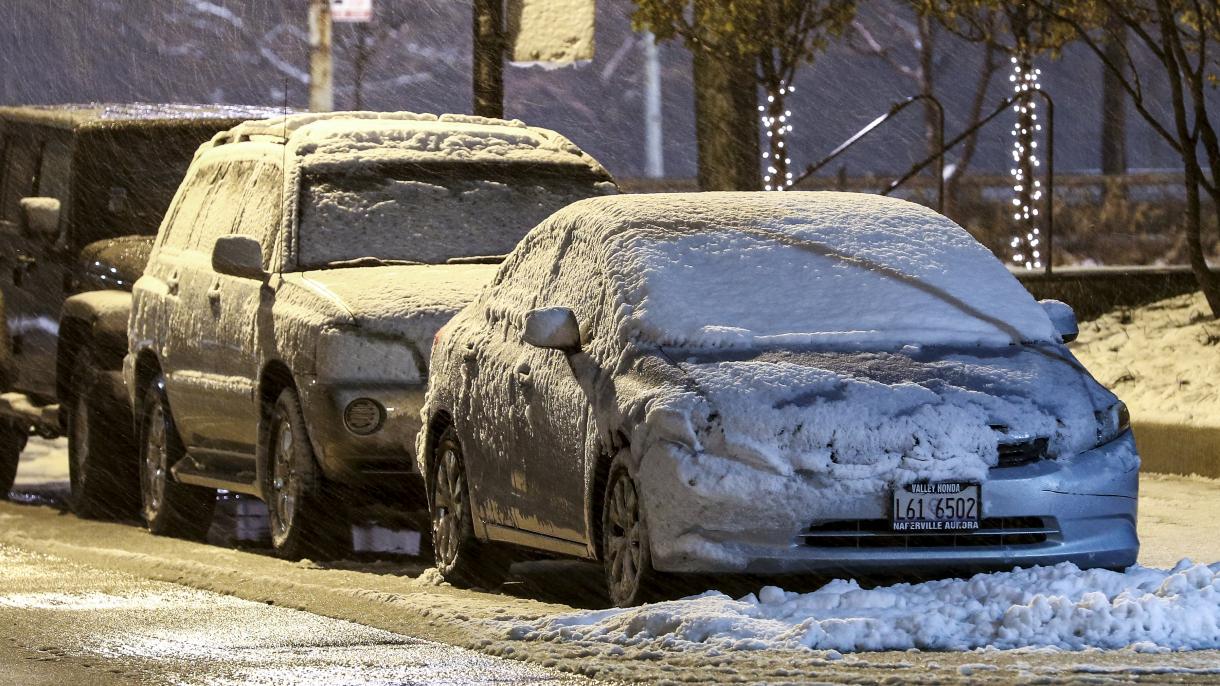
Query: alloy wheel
[
  {"x": 285, "y": 481},
  {"x": 623, "y": 552},
  {"x": 450, "y": 496},
  {"x": 155, "y": 467}
]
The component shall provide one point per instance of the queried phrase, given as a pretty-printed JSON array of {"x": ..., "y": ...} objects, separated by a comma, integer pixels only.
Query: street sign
[
  {"x": 351, "y": 11},
  {"x": 550, "y": 32}
]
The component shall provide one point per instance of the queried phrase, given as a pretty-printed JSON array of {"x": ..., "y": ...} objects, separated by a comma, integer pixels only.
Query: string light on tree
[
  {"x": 776, "y": 121},
  {"x": 1026, "y": 244}
]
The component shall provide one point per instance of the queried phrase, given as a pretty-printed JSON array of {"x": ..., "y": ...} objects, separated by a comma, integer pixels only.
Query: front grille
[
  {"x": 1022, "y": 452},
  {"x": 877, "y": 533}
]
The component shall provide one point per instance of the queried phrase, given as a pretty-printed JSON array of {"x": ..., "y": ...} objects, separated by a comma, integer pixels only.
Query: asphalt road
[{"x": 98, "y": 603}]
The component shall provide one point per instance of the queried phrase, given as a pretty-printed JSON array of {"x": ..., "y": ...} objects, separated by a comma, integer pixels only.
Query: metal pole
[
  {"x": 321, "y": 69},
  {"x": 1050, "y": 179},
  {"x": 488, "y": 59},
  {"x": 654, "y": 152}
]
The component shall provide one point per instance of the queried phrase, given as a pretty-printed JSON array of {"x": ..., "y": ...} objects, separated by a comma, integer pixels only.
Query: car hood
[
  {"x": 411, "y": 301},
  {"x": 897, "y": 417},
  {"x": 114, "y": 262}
]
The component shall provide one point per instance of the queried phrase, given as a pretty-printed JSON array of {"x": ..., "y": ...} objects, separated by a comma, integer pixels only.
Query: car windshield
[
  {"x": 419, "y": 214},
  {"x": 746, "y": 289}
]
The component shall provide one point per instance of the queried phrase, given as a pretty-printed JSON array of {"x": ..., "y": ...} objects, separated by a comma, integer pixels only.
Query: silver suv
[{"x": 280, "y": 336}]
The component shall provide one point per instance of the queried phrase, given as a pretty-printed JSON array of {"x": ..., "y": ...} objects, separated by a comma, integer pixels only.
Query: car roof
[
  {"x": 340, "y": 138},
  {"x": 79, "y": 115}
]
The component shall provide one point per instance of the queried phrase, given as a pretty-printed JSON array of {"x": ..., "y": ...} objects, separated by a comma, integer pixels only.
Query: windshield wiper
[
  {"x": 477, "y": 259},
  {"x": 370, "y": 262}
]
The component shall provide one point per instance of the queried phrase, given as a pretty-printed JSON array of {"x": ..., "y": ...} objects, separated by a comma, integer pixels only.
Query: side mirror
[
  {"x": 1063, "y": 317},
  {"x": 553, "y": 328},
  {"x": 239, "y": 256},
  {"x": 40, "y": 217}
]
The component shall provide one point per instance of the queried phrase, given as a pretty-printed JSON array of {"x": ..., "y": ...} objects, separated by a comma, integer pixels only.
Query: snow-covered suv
[
  {"x": 280, "y": 335},
  {"x": 768, "y": 383}
]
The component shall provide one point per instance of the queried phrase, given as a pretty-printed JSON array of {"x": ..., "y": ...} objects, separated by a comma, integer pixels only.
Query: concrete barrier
[{"x": 1171, "y": 445}]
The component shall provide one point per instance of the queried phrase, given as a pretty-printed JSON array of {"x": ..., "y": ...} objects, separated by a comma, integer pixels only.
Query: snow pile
[
  {"x": 1162, "y": 358},
  {"x": 1060, "y": 606},
  {"x": 846, "y": 270}
]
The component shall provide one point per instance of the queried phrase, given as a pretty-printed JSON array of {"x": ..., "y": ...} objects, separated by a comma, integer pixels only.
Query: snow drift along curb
[
  {"x": 1147, "y": 610},
  {"x": 1172, "y": 445}
]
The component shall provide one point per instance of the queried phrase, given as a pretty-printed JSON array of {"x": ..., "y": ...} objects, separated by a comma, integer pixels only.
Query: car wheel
[
  {"x": 308, "y": 518},
  {"x": 12, "y": 442},
  {"x": 100, "y": 467},
  {"x": 169, "y": 508},
  {"x": 626, "y": 554},
  {"x": 460, "y": 557}
]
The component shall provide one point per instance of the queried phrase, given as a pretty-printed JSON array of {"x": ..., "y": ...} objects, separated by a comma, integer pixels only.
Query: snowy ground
[
  {"x": 965, "y": 630},
  {"x": 1161, "y": 359}
]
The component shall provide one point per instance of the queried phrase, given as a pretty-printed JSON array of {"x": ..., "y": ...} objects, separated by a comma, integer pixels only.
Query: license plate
[{"x": 943, "y": 506}]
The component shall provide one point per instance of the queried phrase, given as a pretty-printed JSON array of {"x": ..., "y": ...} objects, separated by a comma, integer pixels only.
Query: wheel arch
[
  {"x": 274, "y": 378},
  {"x": 438, "y": 423},
  {"x": 94, "y": 321}
]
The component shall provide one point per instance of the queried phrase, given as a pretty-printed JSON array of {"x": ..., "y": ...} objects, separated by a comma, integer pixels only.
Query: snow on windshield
[
  {"x": 840, "y": 269},
  {"x": 345, "y": 217}
]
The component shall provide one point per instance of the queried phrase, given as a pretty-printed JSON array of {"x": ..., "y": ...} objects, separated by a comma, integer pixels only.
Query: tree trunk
[
  {"x": 1208, "y": 283},
  {"x": 726, "y": 119},
  {"x": 1114, "y": 103},
  {"x": 488, "y": 58},
  {"x": 321, "y": 70}
]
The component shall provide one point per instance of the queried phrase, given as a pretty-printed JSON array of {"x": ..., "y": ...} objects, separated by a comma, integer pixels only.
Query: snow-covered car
[
  {"x": 768, "y": 383},
  {"x": 280, "y": 335}
]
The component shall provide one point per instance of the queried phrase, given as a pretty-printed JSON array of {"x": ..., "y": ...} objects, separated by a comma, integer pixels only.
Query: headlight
[
  {"x": 345, "y": 355},
  {"x": 1112, "y": 422}
]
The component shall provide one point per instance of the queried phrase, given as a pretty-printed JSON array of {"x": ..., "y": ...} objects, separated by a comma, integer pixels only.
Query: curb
[{"x": 1178, "y": 446}]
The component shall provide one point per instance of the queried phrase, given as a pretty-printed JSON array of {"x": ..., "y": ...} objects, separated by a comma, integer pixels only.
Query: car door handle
[
  {"x": 469, "y": 353},
  {"x": 171, "y": 284},
  {"x": 214, "y": 293},
  {"x": 523, "y": 375}
]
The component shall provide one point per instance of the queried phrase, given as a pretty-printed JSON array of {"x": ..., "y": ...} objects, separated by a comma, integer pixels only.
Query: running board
[
  {"x": 505, "y": 534},
  {"x": 44, "y": 418},
  {"x": 188, "y": 471}
]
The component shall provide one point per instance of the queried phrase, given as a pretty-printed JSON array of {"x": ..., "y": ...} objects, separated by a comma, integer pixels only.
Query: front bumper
[
  {"x": 703, "y": 518},
  {"x": 384, "y": 458}
]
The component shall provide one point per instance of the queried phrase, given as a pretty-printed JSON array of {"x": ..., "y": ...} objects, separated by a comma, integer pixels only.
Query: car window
[
  {"x": 219, "y": 214},
  {"x": 579, "y": 284},
  {"x": 54, "y": 170},
  {"x": 261, "y": 212},
  {"x": 21, "y": 172},
  {"x": 517, "y": 287},
  {"x": 183, "y": 216}
]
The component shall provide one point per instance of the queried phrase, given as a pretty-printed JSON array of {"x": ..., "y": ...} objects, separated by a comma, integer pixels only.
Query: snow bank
[
  {"x": 1060, "y": 606},
  {"x": 1162, "y": 358},
  {"x": 848, "y": 270}
]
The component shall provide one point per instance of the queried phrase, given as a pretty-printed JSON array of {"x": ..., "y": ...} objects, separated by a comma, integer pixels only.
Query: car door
[
  {"x": 194, "y": 387},
  {"x": 548, "y": 444},
  {"x": 238, "y": 310},
  {"x": 492, "y": 400}
]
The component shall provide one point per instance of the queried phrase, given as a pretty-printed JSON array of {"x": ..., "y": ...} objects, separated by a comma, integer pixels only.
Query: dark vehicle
[{"x": 82, "y": 192}]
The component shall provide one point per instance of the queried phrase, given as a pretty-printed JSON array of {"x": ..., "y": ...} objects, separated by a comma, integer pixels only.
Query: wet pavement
[{"x": 67, "y": 623}]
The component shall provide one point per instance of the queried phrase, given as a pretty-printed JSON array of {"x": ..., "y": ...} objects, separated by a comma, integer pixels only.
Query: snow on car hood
[
  {"x": 870, "y": 420},
  {"x": 411, "y": 301}
]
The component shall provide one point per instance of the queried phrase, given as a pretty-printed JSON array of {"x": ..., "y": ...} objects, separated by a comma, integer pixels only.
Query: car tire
[
  {"x": 12, "y": 441},
  {"x": 169, "y": 508},
  {"x": 461, "y": 558},
  {"x": 308, "y": 515},
  {"x": 101, "y": 467},
  {"x": 626, "y": 552}
]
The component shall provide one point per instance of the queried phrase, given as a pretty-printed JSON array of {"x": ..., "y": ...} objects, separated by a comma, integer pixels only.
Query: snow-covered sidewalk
[
  {"x": 1143, "y": 609},
  {"x": 1162, "y": 359}
]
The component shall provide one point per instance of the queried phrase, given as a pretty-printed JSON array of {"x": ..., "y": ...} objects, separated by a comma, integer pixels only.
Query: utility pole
[
  {"x": 488, "y": 58},
  {"x": 654, "y": 151},
  {"x": 321, "y": 68}
]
